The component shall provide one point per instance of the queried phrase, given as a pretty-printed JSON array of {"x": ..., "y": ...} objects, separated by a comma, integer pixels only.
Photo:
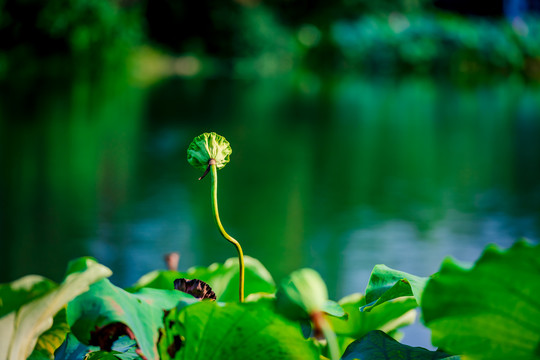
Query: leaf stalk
[
  {"x": 321, "y": 324},
  {"x": 215, "y": 211}
]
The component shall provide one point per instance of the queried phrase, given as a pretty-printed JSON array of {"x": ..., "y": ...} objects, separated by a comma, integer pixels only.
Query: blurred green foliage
[
  {"x": 438, "y": 42},
  {"x": 251, "y": 38},
  {"x": 322, "y": 13},
  {"x": 87, "y": 31}
]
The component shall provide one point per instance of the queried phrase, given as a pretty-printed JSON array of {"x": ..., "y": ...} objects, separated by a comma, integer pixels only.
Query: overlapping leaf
[
  {"x": 19, "y": 292},
  {"x": 301, "y": 294},
  {"x": 223, "y": 278},
  {"x": 489, "y": 311},
  {"x": 21, "y": 327},
  {"x": 207, "y": 330},
  {"x": 386, "y": 284},
  {"x": 377, "y": 345},
  {"x": 73, "y": 349},
  {"x": 51, "y": 339},
  {"x": 105, "y": 304},
  {"x": 387, "y": 317}
]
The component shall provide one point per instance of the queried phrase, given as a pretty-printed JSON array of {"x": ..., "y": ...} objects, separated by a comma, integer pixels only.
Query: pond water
[{"x": 335, "y": 174}]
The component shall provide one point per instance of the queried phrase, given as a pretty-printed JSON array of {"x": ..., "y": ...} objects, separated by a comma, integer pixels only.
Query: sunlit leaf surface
[
  {"x": 386, "y": 284},
  {"x": 208, "y": 330},
  {"x": 489, "y": 311}
]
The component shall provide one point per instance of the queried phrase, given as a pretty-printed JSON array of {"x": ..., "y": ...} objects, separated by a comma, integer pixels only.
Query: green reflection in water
[
  {"x": 306, "y": 167},
  {"x": 66, "y": 146},
  {"x": 101, "y": 169}
]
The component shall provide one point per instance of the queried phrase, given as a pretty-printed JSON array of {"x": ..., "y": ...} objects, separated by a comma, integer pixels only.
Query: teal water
[{"x": 335, "y": 174}]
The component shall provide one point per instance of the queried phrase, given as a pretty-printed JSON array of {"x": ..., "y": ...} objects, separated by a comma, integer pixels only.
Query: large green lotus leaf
[
  {"x": 21, "y": 328},
  {"x": 222, "y": 278},
  {"x": 105, "y": 303},
  {"x": 377, "y": 345},
  {"x": 386, "y": 284},
  {"x": 240, "y": 331},
  {"x": 387, "y": 317},
  {"x": 489, "y": 311}
]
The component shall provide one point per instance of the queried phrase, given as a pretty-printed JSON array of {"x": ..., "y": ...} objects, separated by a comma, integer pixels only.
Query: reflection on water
[
  {"x": 338, "y": 175},
  {"x": 68, "y": 155}
]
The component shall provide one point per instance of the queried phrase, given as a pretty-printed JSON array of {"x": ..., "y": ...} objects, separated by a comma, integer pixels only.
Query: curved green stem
[
  {"x": 321, "y": 325},
  {"x": 222, "y": 230}
]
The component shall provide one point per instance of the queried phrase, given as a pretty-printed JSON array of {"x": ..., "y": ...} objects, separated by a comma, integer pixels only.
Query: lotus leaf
[
  {"x": 489, "y": 311},
  {"x": 73, "y": 349},
  {"x": 209, "y": 146},
  {"x": 51, "y": 339},
  {"x": 301, "y": 294},
  {"x": 207, "y": 330},
  {"x": 22, "y": 327},
  {"x": 223, "y": 278},
  {"x": 105, "y": 304},
  {"x": 387, "y": 317},
  {"x": 377, "y": 345},
  {"x": 386, "y": 284}
]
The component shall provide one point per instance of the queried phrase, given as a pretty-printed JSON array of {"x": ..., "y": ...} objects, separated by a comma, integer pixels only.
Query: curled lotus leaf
[
  {"x": 209, "y": 146},
  {"x": 302, "y": 294},
  {"x": 199, "y": 289}
]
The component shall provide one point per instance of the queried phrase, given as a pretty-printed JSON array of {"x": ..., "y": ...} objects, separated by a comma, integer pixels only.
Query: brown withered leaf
[{"x": 199, "y": 289}]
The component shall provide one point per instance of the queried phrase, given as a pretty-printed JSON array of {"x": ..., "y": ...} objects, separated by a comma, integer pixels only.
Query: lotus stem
[
  {"x": 321, "y": 324},
  {"x": 212, "y": 165}
]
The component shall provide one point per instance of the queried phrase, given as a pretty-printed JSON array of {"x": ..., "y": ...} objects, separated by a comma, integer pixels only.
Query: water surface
[{"x": 334, "y": 174}]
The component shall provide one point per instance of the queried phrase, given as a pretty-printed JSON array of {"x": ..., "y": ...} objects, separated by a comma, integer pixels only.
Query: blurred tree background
[{"x": 252, "y": 37}]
